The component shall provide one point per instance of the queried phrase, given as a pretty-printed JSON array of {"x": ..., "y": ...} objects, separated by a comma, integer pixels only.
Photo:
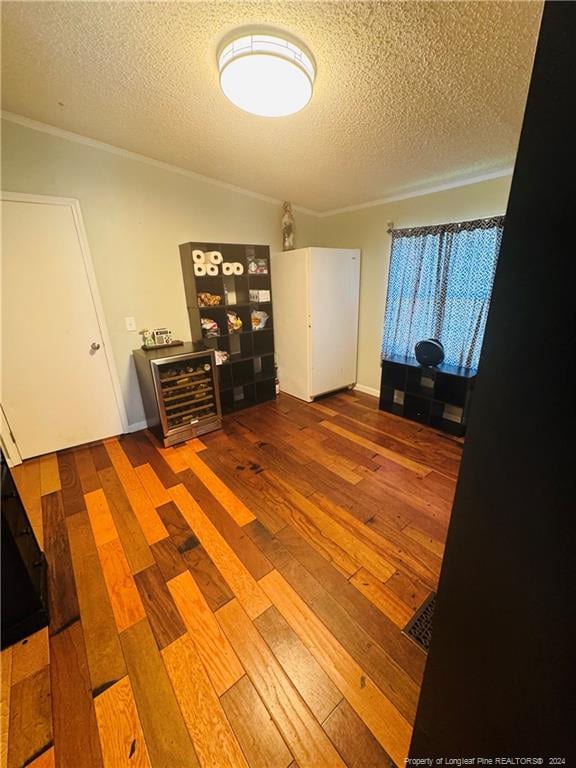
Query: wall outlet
[{"x": 130, "y": 323}]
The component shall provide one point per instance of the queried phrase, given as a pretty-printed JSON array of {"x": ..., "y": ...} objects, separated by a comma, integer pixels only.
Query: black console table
[
  {"x": 438, "y": 396},
  {"x": 24, "y": 588}
]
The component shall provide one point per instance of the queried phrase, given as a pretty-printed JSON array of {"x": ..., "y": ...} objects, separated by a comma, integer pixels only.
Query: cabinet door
[{"x": 334, "y": 295}]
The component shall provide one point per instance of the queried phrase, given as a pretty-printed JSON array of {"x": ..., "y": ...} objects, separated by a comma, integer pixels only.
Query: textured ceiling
[{"x": 407, "y": 94}]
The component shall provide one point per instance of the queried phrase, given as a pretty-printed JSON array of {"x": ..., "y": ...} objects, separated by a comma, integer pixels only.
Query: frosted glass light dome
[{"x": 266, "y": 74}]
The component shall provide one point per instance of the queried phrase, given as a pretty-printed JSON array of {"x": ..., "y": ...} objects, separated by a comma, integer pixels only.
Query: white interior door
[
  {"x": 57, "y": 384},
  {"x": 334, "y": 298}
]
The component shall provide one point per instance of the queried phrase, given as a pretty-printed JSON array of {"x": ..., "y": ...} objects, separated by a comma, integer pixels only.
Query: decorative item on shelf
[
  {"x": 162, "y": 336},
  {"x": 206, "y": 299},
  {"x": 259, "y": 320},
  {"x": 429, "y": 352},
  {"x": 147, "y": 340},
  {"x": 221, "y": 356},
  {"x": 234, "y": 322},
  {"x": 258, "y": 296},
  {"x": 209, "y": 327},
  {"x": 158, "y": 338},
  {"x": 257, "y": 266},
  {"x": 287, "y": 227}
]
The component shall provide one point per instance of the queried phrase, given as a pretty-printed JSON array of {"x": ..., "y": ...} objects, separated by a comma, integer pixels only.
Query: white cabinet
[{"x": 316, "y": 296}]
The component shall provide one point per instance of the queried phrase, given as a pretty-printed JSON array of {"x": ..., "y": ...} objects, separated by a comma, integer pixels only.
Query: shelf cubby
[
  {"x": 242, "y": 372},
  {"x": 263, "y": 342},
  {"x": 393, "y": 375},
  {"x": 218, "y": 314},
  {"x": 244, "y": 395},
  {"x": 259, "y": 281},
  {"x": 264, "y": 366},
  {"x": 235, "y": 289},
  {"x": 240, "y": 346},
  {"x": 227, "y": 400},
  {"x": 417, "y": 408},
  {"x": 450, "y": 389},
  {"x": 265, "y": 390},
  {"x": 225, "y": 376}
]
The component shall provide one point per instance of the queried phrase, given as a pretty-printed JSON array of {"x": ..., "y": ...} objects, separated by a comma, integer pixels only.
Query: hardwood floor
[{"x": 235, "y": 601}]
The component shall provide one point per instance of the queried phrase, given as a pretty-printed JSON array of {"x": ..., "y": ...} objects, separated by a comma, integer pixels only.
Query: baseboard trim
[
  {"x": 137, "y": 426},
  {"x": 367, "y": 390}
]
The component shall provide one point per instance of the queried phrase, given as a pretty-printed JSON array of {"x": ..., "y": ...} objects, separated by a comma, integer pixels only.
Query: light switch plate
[{"x": 130, "y": 323}]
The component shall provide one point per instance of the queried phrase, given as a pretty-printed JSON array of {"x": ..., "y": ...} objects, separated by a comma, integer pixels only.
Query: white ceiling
[{"x": 408, "y": 94}]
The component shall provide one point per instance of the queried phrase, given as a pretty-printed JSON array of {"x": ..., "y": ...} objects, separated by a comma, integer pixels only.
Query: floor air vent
[{"x": 419, "y": 628}]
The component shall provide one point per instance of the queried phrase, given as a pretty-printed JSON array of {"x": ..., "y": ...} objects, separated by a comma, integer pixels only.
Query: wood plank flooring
[{"x": 236, "y": 601}]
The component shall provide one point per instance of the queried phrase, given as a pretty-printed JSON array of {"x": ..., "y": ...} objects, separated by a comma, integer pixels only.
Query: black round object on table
[{"x": 429, "y": 352}]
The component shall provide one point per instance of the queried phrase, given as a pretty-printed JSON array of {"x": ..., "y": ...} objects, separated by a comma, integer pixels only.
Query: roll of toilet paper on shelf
[
  {"x": 198, "y": 257},
  {"x": 237, "y": 268},
  {"x": 227, "y": 268},
  {"x": 214, "y": 257},
  {"x": 200, "y": 270},
  {"x": 211, "y": 270}
]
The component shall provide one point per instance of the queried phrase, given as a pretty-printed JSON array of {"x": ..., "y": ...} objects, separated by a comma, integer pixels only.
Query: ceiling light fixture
[{"x": 266, "y": 73}]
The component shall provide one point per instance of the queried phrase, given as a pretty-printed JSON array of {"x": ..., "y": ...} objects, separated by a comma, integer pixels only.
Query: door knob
[{"x": 94, "y": 346}]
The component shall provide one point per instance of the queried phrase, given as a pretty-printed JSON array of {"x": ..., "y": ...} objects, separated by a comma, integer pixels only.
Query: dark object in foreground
[
  {"x": 499, "y": 673},
  {"x": 24, "y": 588}
]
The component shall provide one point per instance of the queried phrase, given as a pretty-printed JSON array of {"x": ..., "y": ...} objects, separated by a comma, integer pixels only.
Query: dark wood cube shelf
[
  {"x": 248, "y": 376},
  {"x": 437, "y": 395}
]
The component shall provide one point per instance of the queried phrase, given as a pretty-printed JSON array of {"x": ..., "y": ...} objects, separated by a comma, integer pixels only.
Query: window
[{"x": 439, "y": 287}]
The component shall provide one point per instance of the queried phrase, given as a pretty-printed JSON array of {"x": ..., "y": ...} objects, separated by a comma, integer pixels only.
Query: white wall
[
  {"x": 366, "y": 229},
  {"x": 136, "y": 214}
]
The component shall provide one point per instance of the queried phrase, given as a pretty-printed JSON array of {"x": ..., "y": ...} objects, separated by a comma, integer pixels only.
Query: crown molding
[
  {"x": 36, "y": 125},
  {"x": 78, "y": 138},
  {"x": 420, "y": 192}
]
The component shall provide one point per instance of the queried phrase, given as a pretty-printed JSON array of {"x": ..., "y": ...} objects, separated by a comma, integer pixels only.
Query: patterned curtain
[{"x": 439, "y": 287}]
